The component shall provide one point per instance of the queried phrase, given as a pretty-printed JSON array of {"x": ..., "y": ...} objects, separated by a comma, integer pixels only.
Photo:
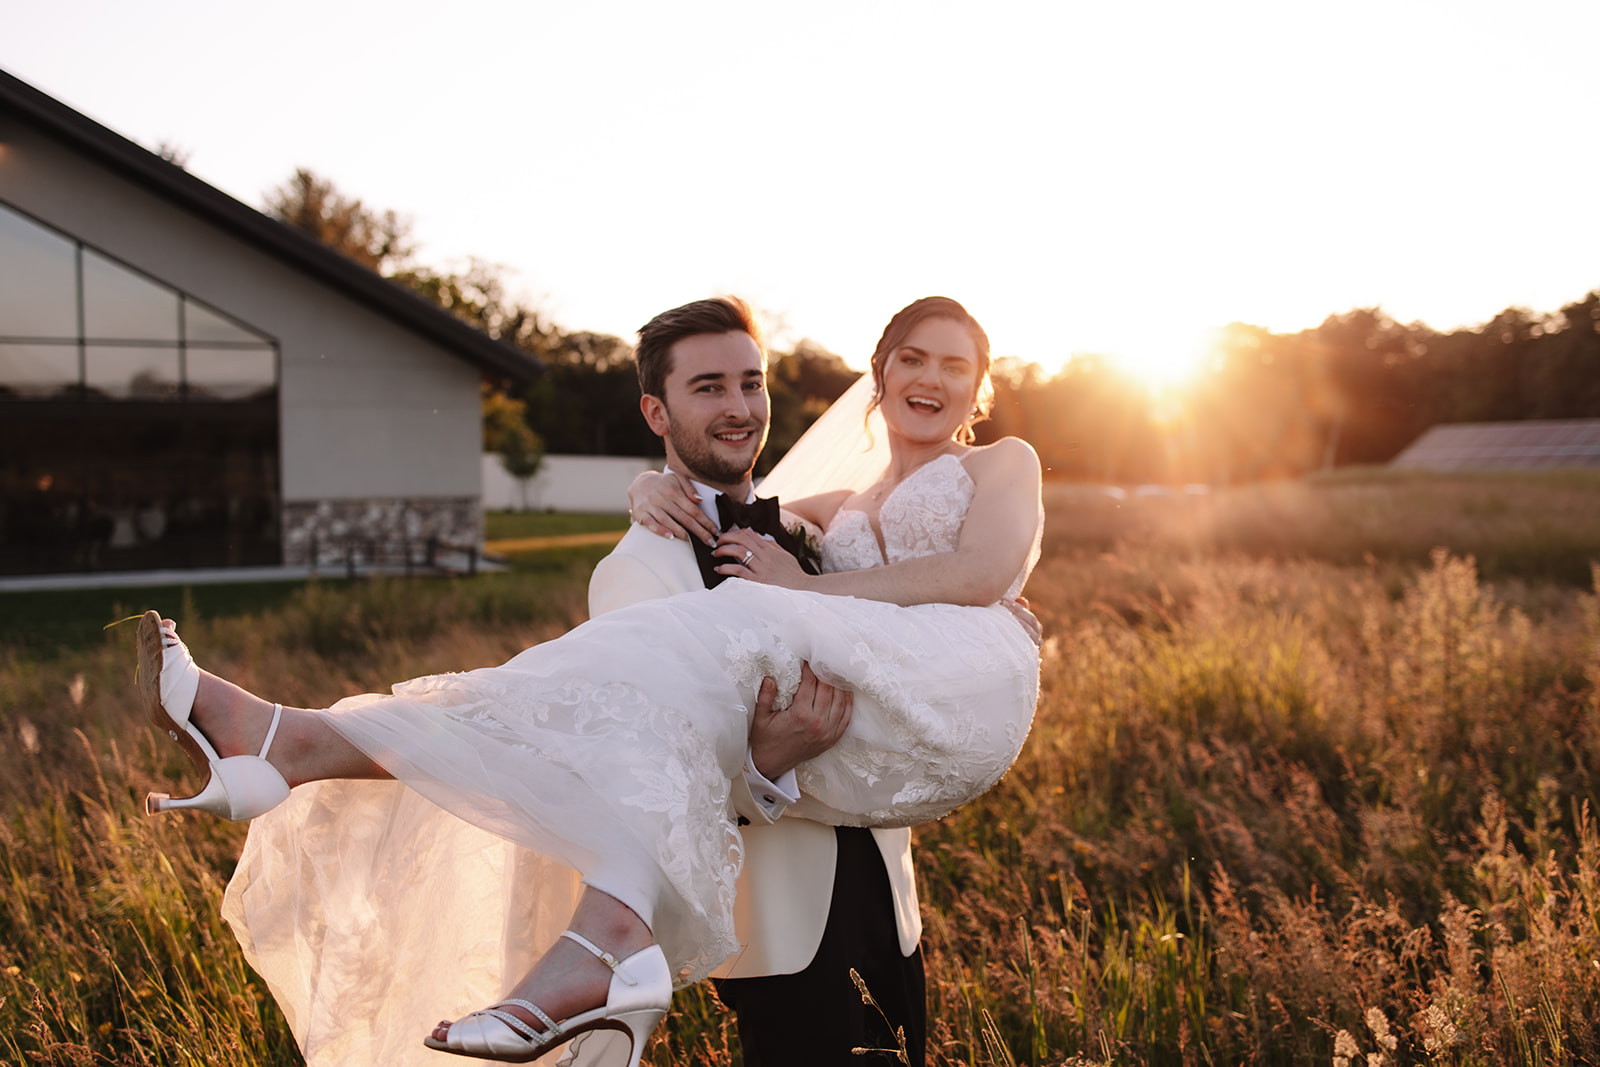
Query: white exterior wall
[
  {"x": 566, "y": 483},
  {"x": 369, "y": 409}
]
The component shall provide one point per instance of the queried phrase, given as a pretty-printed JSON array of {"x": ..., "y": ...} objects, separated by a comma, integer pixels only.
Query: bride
[{"x": 426, "y": 849}]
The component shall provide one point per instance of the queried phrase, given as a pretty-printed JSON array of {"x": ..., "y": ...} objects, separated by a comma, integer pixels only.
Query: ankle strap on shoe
[
  {"x": 272, "y": 730},
  {"x": 602, "y": 955}
]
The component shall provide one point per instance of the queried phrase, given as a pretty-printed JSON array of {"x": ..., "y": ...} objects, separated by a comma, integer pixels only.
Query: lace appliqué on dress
[
  {"x": 931, "y": 758},
  {"x": 917, "y": 523},
  {"x": 608, "y": 734}
]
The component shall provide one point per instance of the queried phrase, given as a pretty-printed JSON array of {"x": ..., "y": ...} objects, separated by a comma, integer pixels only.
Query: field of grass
[
  {"x": 1287, "y": 800},
  {"x": 1536, "y": 525}
]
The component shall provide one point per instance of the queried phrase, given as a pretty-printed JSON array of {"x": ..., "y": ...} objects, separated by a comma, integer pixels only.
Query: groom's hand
[{"x": 811, "y": 724}]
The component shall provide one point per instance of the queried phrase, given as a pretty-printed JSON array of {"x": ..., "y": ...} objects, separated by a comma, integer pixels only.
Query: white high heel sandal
[
  {"x": 239, "y": 787},
  {"x": 640, "y": 993}
]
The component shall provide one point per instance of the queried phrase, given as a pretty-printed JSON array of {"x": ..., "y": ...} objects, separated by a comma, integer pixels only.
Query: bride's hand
[
  {"x": 1030, "y": 622},
  {"x": 666, "y": 504},
  {"x": 749, "y": 555}
]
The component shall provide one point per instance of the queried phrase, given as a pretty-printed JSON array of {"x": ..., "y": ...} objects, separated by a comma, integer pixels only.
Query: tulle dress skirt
[{"x": 376, "y": 908}]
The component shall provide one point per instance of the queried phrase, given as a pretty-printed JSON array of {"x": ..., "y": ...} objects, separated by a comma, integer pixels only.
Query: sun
[{"x": 1165, "y": 361}]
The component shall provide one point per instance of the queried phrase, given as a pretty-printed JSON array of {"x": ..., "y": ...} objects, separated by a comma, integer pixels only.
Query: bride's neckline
[
  {"x": 884, "y": 492},
  {"x": 873, "y": 518}
]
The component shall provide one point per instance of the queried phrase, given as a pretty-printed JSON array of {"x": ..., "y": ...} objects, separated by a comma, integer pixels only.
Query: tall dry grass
[
  {"x": 1268, "y": 804},
  {"x": 1274, "y": 810},
  {"x": 112, "y": 948}
]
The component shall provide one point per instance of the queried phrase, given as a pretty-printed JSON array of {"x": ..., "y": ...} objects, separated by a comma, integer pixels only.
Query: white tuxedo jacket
[{"x": 787, "y": 882}]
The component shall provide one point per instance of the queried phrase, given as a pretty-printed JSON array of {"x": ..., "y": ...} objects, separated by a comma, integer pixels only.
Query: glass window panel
[
  {"x": 231, "y": 513},
  {"x": 37, "y": 370},
  {"x": 38, "y": 495},
  {"x": 131, "y": 373},
  {"x": 231, "y": 373},
  {"x": 38, "y": 282},
  {"x": 120, "y": 304},
  {"x": 201, "y": 324},
  {"x": 134, "y": 487}
]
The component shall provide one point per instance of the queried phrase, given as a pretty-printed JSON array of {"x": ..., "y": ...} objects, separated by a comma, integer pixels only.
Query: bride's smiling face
[{"x": 930, "y": 381}]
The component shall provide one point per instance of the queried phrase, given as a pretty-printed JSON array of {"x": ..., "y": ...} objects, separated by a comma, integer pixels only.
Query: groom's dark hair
[{"x": 653, "y": 354}]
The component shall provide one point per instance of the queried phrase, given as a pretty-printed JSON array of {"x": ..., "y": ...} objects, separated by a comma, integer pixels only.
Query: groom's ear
[{"x": 654, "y": 410}]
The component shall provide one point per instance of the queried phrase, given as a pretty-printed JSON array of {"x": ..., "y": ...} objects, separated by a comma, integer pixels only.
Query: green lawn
[{"x": 45, "y": 623}]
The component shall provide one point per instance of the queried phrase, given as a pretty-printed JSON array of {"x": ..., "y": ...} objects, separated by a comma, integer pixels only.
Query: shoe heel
[
  {"x": 241, "y": 788},
  {"x": 619, "y": 1041},
  {"x": 213, "y": 799},
  {"x": 640, "y": 1024}
]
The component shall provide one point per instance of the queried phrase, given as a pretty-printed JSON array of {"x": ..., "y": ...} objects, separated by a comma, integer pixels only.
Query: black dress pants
[{"x": 814, "y": 1017}]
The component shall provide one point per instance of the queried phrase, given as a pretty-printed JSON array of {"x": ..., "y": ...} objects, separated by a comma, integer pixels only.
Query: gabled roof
[
  {"x": 1505, "y": 446},
  {"x": 299, "y": 250}
]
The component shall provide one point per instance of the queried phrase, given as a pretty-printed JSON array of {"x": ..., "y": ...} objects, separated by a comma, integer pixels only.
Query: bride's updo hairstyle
[
  {"x": 653, "y": 354},
  {"x": 900, "y": 327}
]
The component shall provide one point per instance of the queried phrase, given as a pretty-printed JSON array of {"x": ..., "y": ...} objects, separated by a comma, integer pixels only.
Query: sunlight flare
[{"x": 1165, "y": 361}]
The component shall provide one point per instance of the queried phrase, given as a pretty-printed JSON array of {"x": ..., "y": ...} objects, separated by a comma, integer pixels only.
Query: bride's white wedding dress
[{"x": 372, "y": 912}]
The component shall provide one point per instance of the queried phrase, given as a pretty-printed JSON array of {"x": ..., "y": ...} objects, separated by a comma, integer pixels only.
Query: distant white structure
[
  {"x": 186, "y": 382},
  {"x": 1505, "y": 446},
  {"x": 566, "y": 483}
]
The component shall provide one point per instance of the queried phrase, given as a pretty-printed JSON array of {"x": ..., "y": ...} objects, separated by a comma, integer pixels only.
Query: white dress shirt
[{"x": 774, "y": 797}]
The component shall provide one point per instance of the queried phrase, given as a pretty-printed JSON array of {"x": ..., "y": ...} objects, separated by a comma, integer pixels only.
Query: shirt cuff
[{"x": 773, "y": 797}]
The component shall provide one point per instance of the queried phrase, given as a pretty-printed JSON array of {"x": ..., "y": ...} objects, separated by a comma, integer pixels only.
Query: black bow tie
[{"x": 760, "y": 515}]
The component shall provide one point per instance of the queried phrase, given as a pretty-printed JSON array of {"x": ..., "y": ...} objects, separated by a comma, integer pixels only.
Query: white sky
[{"x": 1111, "y": 177}]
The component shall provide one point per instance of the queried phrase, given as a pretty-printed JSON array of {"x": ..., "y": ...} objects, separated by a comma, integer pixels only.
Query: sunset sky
[{"x": 1116, "y": 178}]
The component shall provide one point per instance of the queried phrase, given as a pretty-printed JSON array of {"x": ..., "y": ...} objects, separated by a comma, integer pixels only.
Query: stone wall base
[{"x": 322, "y": 532}]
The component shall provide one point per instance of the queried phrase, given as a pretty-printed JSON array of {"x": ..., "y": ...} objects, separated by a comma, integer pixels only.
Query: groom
[{"x": 814, "y": 901}]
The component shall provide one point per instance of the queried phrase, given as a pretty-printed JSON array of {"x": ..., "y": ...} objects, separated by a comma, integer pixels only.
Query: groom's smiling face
[{"x": 712, "y": 414}]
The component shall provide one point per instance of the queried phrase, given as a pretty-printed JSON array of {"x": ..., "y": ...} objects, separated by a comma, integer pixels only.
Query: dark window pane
[
  {"x": 37, "y": 370},
  {"x": 40, "y": 504},
  {"x": 231, "y": 515},
  {"x": 231, "y": 373},
  {"x": 133, "y": 486},
  {"x": 131, "y": 373},
  {"x": 201, "y": 324},
  {"x": 135, "y": 479},
  {"x": 122, "y": 305},
  {"x": 38, "y": 282}
]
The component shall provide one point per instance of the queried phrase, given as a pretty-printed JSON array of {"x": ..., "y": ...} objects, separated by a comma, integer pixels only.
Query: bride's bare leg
[
  {"x": 306, "y": 748},
  {"x": 568, "y": 979}
]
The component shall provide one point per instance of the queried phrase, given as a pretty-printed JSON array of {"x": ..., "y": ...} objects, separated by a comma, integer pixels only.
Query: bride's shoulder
[{"x": 1007, "y": 457}]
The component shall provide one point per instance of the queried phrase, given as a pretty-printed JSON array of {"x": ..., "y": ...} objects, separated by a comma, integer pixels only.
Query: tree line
[
  {"x": 1354, "y": 390},
  {"x": 586, "y": 401}
]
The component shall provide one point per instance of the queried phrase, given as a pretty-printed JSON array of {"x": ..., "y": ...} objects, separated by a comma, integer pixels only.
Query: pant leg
[{"x": 813, "y": 1018}]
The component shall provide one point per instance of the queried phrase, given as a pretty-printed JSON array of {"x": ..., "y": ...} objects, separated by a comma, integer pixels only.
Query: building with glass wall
[{"x": 186, "y": 382}]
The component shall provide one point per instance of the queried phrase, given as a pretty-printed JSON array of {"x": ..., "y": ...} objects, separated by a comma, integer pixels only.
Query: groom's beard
[{"x": 713, "y": 462}]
